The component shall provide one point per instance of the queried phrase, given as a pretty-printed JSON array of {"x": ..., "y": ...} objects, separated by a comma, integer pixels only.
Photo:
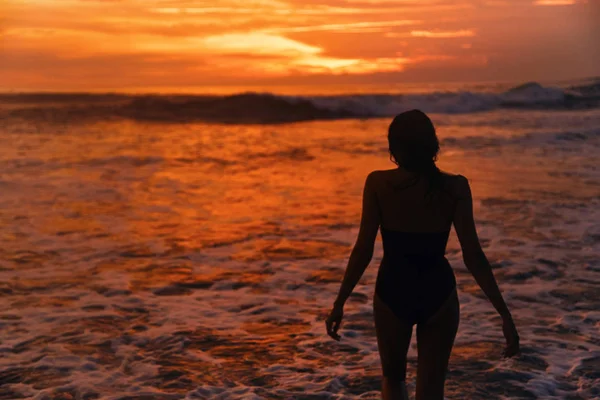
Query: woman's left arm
[{"x": 361, "y": 255}]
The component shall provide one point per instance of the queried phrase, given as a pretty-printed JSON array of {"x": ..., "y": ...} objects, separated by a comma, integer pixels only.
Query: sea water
[{"x": 149, "y": 257}]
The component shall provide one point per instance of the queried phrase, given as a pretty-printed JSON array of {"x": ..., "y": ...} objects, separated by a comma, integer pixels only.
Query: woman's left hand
[{"x": 333, "y": 322}]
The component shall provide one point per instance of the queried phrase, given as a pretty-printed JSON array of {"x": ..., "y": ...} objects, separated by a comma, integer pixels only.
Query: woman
[{"x": 415, "y": 206}]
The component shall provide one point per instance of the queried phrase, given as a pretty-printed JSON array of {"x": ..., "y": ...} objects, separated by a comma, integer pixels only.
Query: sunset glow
[
  {"x": 158, "y": 44},
  {"x": 450, "y": 34},
  {"x": 554, "y": 2}
]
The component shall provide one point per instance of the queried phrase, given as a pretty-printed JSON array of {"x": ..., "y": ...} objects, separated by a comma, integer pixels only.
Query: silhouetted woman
[{"x": 415, "y": 206}]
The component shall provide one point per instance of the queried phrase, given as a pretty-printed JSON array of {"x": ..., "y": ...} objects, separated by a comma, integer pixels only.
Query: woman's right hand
[
  {"x": 512, "y": 337},
  {"x": 334, "y": 321}
]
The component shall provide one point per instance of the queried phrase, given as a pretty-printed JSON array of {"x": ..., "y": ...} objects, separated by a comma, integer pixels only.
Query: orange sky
[{"x": 158, "y": 45}]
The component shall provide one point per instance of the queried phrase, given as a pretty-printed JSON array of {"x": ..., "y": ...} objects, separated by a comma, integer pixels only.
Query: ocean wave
[
  {"x": 528, "y": 140},
  {"x": 264, "y": 108},
  {"x": 566, "y": 140}
]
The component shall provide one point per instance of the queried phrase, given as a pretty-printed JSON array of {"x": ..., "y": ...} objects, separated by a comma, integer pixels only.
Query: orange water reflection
[{"x": 191, "y": 255}]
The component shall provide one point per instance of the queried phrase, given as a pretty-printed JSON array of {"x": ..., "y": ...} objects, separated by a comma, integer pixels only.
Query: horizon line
[{"x": 222, "y": 90}]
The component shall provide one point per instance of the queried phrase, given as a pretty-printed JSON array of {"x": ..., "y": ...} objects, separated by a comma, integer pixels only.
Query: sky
[{"x": 165, "y": 45}]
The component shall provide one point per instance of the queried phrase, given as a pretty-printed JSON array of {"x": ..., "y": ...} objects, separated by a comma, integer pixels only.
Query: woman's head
[{"x": 413, "y": 143}]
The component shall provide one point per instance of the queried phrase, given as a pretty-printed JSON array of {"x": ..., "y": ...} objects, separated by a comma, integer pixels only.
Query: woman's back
[
  {"x": 414, "y": 278},
  {"x": 409, "y": 202}
]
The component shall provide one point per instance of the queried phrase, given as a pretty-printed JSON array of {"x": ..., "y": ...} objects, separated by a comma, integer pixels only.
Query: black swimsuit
[{"x": 414, "y": 278}]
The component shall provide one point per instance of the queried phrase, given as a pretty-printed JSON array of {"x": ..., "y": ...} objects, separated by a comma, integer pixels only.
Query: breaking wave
[{"x": 261, "y": 108}]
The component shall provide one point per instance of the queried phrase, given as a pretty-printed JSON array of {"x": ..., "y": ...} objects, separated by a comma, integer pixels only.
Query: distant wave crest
[{"x": 260, "y": 108}]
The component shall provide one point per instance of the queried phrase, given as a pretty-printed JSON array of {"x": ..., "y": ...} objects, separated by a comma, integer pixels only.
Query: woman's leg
[
  {"x": 393, "y": 339},
  {"x": 435, "y": 339}
]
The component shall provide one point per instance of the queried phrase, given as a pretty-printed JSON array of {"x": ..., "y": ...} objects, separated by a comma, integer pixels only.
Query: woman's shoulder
[
  {"x": 453, "y": 177},
  {"x": 382, "y": 172},
  {"x": 458, "y": 183},
  {"x": 377, "y": 176}
]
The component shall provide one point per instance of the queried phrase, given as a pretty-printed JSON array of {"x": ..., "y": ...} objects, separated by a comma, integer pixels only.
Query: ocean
[{"x": 189, "y": 247}]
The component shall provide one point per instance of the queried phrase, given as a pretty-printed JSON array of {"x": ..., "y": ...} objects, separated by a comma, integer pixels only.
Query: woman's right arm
[{"x": 478, "y": 264}]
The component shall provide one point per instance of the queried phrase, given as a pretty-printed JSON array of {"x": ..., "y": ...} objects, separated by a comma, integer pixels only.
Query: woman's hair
[{"x": 414, "y": 146}]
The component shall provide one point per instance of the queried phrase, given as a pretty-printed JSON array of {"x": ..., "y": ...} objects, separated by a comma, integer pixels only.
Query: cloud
[
  {"x": 257, "y": 43},
  {"x": 554, "y": 2},
  {"x": 294, "y": 56},
  {"x": 353, "y": 66},
  {"x": 246, "y": 41},
  {"x": 347, "y": 27},
  {"x": 496, "y": 3},
  {"x": 443, "y": 34},
  {"x": 204, "y": 10}
]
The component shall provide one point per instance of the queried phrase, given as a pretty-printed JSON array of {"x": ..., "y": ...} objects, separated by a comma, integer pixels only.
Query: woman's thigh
[
  {"x": 393, "y": 340},
  {"x": 434, "y": 342}
]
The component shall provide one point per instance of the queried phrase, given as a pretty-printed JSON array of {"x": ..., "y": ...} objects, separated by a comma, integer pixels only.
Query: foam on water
[{"x": 198, "y": 261}]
